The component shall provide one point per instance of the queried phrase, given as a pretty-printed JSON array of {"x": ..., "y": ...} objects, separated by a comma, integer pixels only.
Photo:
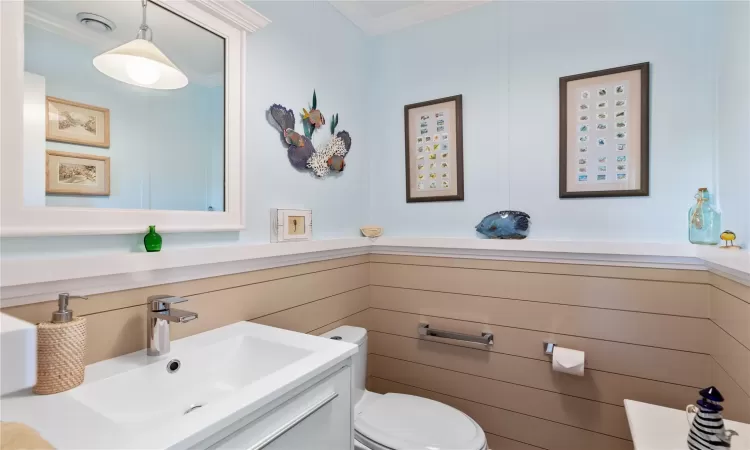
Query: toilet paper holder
[{"x": 549, "y": 347}]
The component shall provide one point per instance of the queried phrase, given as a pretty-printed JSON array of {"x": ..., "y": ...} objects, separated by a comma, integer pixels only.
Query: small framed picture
[
  {"x": 288, "y": 225},
  {"x": 77, "y": 174},
  {"x": 77, "y": 123}
]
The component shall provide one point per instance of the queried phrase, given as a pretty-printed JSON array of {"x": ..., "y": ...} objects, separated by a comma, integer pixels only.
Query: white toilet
[{"x": 403, "y": 422}]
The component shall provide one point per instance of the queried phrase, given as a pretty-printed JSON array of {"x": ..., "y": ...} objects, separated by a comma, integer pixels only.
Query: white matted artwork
[
  {"x": 434, "y": 150},
  {"x": 604, "y": 133},
  {"x": 77, "y": 174},
  {"x": 291, "y": 225},
  {"x": 77, "y": 123}
]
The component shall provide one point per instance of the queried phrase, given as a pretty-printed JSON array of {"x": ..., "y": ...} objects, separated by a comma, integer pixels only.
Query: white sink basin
[
  {"x": 205, "y": 374},
  {"x": 133, "y": 401}
]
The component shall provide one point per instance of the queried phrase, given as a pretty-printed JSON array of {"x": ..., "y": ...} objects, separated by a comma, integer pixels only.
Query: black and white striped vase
[{"x": 707, "y": 428}]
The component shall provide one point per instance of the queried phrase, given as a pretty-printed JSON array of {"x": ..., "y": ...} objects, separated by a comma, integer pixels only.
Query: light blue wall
[
  {"x": 734, "y": 119},
  {"x": 162, "y": 143},
  {"x": 506, "y": 59},
  {"x": 308, "y": 45}
]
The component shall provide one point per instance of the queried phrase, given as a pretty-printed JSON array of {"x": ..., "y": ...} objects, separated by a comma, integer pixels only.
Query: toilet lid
[{"x": 401, "y": 421}]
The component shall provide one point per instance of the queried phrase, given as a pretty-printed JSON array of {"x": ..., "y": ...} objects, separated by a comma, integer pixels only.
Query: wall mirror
[{"x": 127, "y": 114}]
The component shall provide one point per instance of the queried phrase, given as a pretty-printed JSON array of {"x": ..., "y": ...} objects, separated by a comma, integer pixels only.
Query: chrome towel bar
[{"x": 485, "y": 338}]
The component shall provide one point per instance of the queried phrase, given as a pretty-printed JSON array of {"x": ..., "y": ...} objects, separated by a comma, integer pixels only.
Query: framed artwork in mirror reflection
[
  {"x": 76, "y": 123},
  {"x": 77, "y": 174}
]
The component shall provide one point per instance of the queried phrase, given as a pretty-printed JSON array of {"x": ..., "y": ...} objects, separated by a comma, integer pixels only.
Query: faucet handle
[{"x": 163, "y": 302}]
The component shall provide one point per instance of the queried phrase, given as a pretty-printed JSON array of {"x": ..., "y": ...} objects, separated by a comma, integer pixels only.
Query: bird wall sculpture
[{"x": 300, "y": 149}]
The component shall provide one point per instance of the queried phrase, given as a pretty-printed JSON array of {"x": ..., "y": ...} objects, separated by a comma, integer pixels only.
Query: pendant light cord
[{"x": 144, "y": 28}]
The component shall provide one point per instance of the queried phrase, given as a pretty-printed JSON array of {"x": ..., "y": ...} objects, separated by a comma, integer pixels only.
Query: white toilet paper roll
[{"x": 567, "y": 360}]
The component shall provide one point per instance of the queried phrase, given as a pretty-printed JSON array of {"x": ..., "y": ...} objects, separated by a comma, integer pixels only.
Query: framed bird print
[
  {"x": 604, "y": 133},
  {"x": 433, "y": 134}
]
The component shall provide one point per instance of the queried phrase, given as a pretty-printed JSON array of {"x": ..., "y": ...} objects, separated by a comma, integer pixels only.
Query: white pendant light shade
[{"x": 141, "y": 63}]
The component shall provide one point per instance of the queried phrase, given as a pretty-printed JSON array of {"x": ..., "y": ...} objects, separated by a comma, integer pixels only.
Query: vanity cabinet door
[{"x": 319, "y": 418}]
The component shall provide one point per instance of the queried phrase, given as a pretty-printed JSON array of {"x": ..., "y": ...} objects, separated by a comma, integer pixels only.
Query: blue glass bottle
[{"x": 704, "y": 221}]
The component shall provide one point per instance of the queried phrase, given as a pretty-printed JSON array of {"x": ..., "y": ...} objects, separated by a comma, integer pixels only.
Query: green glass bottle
[{"x": 152, "y": 241}]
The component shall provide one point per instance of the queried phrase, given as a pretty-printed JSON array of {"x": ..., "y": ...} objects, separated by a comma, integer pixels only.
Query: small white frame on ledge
[
  {"x": 291, "y": 225},
  {"x": 230, "y": 19}
]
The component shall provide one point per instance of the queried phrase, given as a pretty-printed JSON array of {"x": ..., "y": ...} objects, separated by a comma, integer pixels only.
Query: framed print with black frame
[
  {"x": 604, "y": 133},
  {"x": 433, "y": 134}
]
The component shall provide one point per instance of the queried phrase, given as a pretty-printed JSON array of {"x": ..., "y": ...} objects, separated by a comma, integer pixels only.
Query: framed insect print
[
  {"x": 604, "y": 133},
  {"x": 434, "y": 150}
]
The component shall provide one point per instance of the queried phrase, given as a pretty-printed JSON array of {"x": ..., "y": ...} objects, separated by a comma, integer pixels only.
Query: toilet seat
[{"x": 399, "y": 421}]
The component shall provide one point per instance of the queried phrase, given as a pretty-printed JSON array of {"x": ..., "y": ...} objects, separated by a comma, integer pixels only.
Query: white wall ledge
[
  {"x": 24, "y": 281},
  {"x": 27, "y": 280}
]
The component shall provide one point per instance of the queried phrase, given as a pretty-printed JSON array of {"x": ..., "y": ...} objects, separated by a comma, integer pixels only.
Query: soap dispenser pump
[
  {"x": 61, "y": 348},
  {"x": 63, "y": 314}
]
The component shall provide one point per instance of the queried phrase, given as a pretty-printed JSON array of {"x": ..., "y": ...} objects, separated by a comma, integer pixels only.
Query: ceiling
[
  {"x": 195, "y": 50},
  {"x": 383, "y": 16}
]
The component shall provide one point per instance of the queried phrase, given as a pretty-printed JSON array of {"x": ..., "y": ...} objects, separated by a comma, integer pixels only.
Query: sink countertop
[
  {"x": 79, "y": 419},
  {"x": 655, "y": 427}
]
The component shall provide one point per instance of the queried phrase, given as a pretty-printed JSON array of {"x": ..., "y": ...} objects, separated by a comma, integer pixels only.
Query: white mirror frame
[{"x": 230, "y": 19}]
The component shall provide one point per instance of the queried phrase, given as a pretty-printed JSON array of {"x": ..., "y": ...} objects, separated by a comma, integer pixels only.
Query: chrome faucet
[{"x": 160, "y": 313}]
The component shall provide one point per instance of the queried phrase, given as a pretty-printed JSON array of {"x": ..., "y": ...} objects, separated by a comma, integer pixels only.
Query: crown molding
[
  {"x": 235, "y": 12},
  {"x": 402, "y": 18}
]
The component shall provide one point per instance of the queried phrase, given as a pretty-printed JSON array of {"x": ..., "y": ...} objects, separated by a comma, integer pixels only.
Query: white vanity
[{"x": 243, "y": 386}]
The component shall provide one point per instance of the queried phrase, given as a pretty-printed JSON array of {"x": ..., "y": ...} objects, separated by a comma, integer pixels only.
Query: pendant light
[{"x": 141, "y": 63}]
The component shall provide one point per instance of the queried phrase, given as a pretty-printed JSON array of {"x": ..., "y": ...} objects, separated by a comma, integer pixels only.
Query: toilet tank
[{"x": 354, "y": 335}]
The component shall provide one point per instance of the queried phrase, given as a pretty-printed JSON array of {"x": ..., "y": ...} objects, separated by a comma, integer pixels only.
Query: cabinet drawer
[{"x": 319, "y": 418}]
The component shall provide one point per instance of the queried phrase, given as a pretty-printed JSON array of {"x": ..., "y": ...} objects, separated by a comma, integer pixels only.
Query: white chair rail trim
[{"x": 32, "y": 280}]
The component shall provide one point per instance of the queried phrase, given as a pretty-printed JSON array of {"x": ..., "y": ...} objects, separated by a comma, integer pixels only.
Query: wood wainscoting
[
  {"x": 654, "y": 335},
  {"x": 303, "y": 297}
]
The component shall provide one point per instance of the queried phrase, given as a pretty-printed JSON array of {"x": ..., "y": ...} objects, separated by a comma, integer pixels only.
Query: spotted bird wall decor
[{"x": 300, "y": 149}]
